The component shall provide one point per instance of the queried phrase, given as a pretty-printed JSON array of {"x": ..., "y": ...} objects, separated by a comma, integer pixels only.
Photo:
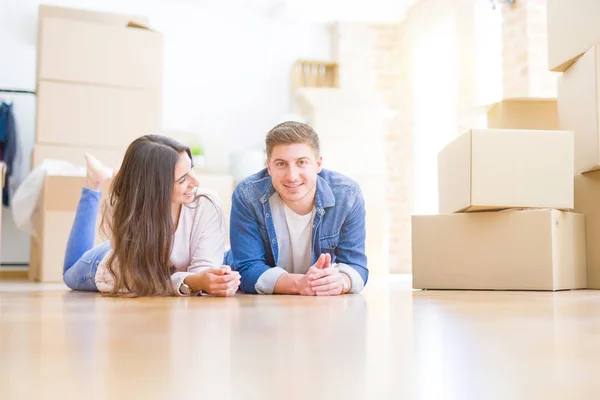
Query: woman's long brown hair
[{"x": 137, "y": 217}]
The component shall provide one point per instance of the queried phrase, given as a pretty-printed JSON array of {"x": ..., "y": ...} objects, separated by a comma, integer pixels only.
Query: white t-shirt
[
  {"x": 294, "y": 244},
  {"x": 294, "y": 236},
  {"x": 300, "y": 231}
]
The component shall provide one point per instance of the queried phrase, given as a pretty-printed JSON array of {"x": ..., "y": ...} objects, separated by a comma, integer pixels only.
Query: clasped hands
[{"x": 322, "y": 279}]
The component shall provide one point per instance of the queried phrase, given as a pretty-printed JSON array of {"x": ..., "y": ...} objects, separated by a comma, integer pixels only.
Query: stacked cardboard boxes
[
  {"x": 541, "y": 247},
  {"x": 99, "y": 79},
  {"x": 574, "y": 50},
  {"x": 503, "y": 223}
]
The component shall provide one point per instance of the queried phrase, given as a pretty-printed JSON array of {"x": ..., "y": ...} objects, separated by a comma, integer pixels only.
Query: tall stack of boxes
[
  {"x": 574, "y": 50},
  {"x": 520, "y": 205},
  {"x": 99, "y": 82},
  {"x": 503, "y": 224}
]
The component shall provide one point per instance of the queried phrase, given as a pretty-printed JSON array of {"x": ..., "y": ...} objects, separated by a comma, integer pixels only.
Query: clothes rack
[{"x": 17, "y": 91}]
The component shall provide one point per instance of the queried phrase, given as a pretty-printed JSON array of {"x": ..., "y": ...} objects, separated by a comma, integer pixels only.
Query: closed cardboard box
[
  {"x": 572, "y": 29},
  {"x": 587, "y": 202},
  {"x": 120, "y": 20},
  {"x": 53, "y": 220},
  {"x": 523, "y": 114},
  {"x": 491, "y": 169},
  {"x": 505, "y": 250},
  {"x": 75, "y": 155},
  {"x": 578, "y": 108},
  {"x": 93, "y": 53},
  {"x": 95, "y": 116}
]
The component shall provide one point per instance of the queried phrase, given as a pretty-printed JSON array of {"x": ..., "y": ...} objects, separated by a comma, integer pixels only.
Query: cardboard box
[
  {"x": 526, "y": 113},
  {"x": 53, "y": 220},
  {"x": 491, "y": 169},
  {"x": 578, "y": 108},
  {"x": 539, "y": 114},
  {"x": 587, "y": 202},
  {"x": 572, "y": 29},
  {"x": 95, "y": 116},
  {"x": 75, "y": 155},
  {"x": 86, "y": 52},
  {"x": 510, "y": 250},
  {"x": 75, "y": 14}
]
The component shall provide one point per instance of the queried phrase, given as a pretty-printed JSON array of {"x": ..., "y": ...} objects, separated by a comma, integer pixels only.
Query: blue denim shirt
[{"x": 338, "y": 228}]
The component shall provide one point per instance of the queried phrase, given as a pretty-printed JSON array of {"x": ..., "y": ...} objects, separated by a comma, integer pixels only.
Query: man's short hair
[{"x": 292, "y": 132}]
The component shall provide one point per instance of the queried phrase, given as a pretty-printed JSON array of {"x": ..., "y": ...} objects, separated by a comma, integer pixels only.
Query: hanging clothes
[
  {"x": 8, "y": 145},
  {"x": 3, "y": 122}
]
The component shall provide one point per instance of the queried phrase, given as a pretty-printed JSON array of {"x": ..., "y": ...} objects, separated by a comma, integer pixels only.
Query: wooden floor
[{"x": 388, "y": 343}]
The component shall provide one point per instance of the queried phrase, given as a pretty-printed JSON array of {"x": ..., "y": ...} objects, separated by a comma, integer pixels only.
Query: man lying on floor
[{"x": 296, "y": 228}]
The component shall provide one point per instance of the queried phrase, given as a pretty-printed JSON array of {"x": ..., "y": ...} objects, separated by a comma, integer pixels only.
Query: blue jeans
[{"x": 81, "y": 257}]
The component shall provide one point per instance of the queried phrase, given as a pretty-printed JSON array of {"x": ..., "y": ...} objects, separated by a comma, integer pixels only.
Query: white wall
[{"x": 226, "y": 77}]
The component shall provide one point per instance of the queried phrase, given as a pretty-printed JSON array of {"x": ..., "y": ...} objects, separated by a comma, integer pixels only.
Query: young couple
[{"x": 295, "y": 228}]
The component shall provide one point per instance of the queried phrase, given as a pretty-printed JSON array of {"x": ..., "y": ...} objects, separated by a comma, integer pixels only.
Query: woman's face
[{"x": 185, "y": 180}]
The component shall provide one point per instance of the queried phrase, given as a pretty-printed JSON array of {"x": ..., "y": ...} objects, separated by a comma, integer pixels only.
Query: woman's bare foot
[{"x": 96, "y": 172}]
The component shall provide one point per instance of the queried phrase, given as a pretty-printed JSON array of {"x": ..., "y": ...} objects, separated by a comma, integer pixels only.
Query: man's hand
[
  {"x": 221, "y": 281},
  {"x": 314, "y": 272},
  {"x": 328, "y": 281}
]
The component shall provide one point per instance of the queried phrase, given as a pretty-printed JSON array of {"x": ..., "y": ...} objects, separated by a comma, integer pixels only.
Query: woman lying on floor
[{"x": 167, "y": 236}]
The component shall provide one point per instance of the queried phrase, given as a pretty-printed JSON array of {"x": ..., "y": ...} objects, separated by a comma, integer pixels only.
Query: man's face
[{"x": 293, "y": 169}]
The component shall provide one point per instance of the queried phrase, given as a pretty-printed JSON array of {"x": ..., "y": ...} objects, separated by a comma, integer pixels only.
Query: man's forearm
[{"x": 288, "y": 284}]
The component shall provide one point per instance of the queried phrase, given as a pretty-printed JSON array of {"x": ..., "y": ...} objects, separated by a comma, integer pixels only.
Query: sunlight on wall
[
  {"x": 488, "y": 50},
  {"x": 436, "y": 91}
]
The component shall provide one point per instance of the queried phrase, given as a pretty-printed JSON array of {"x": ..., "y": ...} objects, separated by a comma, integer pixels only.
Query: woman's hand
[{"x": 220, "y": 281}]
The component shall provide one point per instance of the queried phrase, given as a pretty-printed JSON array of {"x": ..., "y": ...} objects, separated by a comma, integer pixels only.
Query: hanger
[
  {"x": 8, "y": 100},
  {"x": 11, "y": 91}
]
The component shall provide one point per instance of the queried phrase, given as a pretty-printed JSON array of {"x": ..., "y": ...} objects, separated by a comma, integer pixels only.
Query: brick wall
[{"x": 525, "y": 51}]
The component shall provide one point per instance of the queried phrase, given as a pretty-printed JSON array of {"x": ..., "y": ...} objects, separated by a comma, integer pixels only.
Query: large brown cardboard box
[
  {"x": 75, "y": 155},
  {"x": 97, "y": 116},
  {"x": 587, "y": 202},
  {"x": 80, "y": 51},
  {"x": 490, "y": 169},
  {"x": 53, "y": 219},
  {"x": 505, "y": 250},
  {"x": 572, "y": 29},
  {"x": 578, "y": 108}
]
